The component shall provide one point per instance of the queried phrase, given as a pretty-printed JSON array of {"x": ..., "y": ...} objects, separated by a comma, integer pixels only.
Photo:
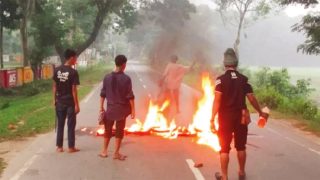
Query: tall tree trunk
[
  {"x": 59, "y": 50},
  {"x": 237, "y": 41},
  {"x": 1, "y": 49},
  {"x": 95, "y": 31},
  {"x": 24, "y": 40},
  {"x": 97, "y": 25}
]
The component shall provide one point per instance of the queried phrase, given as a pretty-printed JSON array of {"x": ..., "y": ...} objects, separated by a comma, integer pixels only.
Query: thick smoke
[{"x": 188, "y": 35}]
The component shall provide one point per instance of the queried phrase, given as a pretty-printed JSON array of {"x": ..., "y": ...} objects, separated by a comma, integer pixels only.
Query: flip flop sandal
[{"x": 60, "y": 150}]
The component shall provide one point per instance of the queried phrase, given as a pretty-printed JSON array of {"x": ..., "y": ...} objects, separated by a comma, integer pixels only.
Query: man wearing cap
[{"x": 231, "y": 89}]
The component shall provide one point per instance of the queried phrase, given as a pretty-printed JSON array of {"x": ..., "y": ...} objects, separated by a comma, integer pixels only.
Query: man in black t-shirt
[
  {"x": 66, "y": 102},
  {"x": 231, "y": 90}
]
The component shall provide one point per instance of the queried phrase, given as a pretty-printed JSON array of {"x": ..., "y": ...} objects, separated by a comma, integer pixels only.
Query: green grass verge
[{"x": 30, "y": 115}]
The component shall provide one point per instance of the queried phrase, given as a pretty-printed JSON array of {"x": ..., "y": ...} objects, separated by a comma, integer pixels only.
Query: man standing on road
[
  {"x": 66, "y": 102},
  {"x": 117, "y": 90},
  {"x": 230, "y": 92},
  {"x": 172, "y": 78}
]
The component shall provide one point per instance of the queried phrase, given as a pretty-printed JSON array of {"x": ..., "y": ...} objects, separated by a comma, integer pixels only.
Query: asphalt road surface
[{"x": 277, "y": 152}]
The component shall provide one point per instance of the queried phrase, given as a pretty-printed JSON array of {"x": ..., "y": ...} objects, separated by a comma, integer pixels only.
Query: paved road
[{"x": 276, "y": 152}]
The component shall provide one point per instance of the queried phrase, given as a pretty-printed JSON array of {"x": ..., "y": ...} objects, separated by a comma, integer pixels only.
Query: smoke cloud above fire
[{"x": 179, "y": 28}]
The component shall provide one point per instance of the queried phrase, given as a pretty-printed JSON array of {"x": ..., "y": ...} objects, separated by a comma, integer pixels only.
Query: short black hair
[
  {"x": 120, "y": 60},
  {"x": 68, "y": 53},
  {"x": 174, "y": 58}
]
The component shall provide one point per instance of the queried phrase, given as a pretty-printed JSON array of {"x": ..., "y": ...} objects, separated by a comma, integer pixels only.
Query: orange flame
[
  {"x": 201, "y": 119},
  {"x": 154, "y": 119},
  {"x": 100, "y": 130},
  {"x": 157, "y": 123},
  {"x": 135, "y": 127}
]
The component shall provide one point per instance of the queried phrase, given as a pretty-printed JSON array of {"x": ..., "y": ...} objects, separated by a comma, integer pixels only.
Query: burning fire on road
[{"x": 157, "y": 124}]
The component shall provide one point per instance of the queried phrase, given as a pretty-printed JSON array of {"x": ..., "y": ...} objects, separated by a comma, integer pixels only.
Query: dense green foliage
[
  {"x": 76, "y": 23},
  {"x": 275, "y": 90},
  {"x": 9, "y": 18},
  {"x": 310, "y": 25},
  {"x": 49, "y": 27}
]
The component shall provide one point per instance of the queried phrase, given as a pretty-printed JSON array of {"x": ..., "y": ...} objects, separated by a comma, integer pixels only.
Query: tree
[
  {"x": 304, "y": 2},
  {"x": 9, "y": 16},
  {"x": 310, "y": 25},
  {"x": 64, "y": 24},
  {"x": 243, "y": 9},
  {"x": 27, "y": 7}
]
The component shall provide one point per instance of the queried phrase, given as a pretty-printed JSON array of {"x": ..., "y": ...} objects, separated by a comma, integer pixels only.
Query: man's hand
[
  {"x": 264, "y": 115},
  {"x": 77, "y": 109},
  {"x": 101, "y": 109},
  {"x": 133, "y": 114},
  {"x": 213, "y": 126}
]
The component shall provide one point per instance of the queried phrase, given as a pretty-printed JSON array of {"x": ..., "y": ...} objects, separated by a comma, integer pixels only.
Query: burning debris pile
[{"x": 157, "y": 124}]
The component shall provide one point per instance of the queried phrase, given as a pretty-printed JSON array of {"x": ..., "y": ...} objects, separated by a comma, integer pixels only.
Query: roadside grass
[{"x": 29, "y": 115}]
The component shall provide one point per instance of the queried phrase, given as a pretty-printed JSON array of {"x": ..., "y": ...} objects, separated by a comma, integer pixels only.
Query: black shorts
[
  {"x": 229, "y": 127},
  {"x": 120, "y": 125}
]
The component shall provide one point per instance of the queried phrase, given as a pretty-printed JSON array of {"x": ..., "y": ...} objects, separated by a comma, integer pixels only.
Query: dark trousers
[
  {"x": 63, "y": 112},
  {"x": 231, "y": 128},
  {"x": 120, "y": 125}
]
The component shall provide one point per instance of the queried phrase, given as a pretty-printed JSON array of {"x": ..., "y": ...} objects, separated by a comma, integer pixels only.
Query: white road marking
[
  {"x": 91, "y": 93},
  {"x": 144, "y": 86},
  {"x": 294, "y": 141},
  {"x": 195, "y": 171},
  {"x": 315, "y": 151},
  {"x": 140, "y": 79},
  {"x": 273, "y": 131},
  {"x": 25, "y": 166}
]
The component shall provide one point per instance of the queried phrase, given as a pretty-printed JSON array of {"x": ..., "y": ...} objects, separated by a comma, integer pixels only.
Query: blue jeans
[{"x": 63, "y": 112}]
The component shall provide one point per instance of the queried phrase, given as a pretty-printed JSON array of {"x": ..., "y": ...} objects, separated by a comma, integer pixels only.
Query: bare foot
[
  {"x": 59, "y": 149},
  {"x": 103, "y": 155}
]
